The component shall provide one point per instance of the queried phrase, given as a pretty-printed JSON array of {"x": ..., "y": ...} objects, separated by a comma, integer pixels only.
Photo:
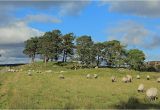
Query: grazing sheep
[
  {"x": 129, "y": 78},
  {"x": 11, "y": 70},
  {"x": 152, "y": 93},
  {"x": 138, "y": 77},
  {"x": 140, "y": 88},
  {"x": 113, "y": 79},
  {"x": 61, "y": 76},
  {"x": 148, "y": 77},
  {"x": 88, "y": 76},
  {"x": 125, "y": 79},
  {"x": 48, "y": 71},
  {"x": 62, "y": 71},
  {"x": 95, "y": 76},
  {"x": 158, "y": 80},
  {"x": 29, "y": 73},
  {"x": 96, "y": 67}
]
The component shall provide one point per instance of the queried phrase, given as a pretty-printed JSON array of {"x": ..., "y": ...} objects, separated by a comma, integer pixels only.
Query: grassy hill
[{"x": 46, "y": 90}]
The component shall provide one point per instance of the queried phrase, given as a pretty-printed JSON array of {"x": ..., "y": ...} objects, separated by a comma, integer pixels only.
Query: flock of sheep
[{"x": 151, "y": 93}]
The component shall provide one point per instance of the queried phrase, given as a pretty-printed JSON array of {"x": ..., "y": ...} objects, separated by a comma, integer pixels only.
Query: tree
[
  {"x": 57, "y": 44},
  {"x": 31, "y": 47},
  {"x": 98, "y": 51},
  {"x": 135, "y": 59},
  {"x": 68, "y": 45},
  {"x": 84, "y": 45},
  {"x": 114, "y": 53},
  {"x": 45, "y": 46},
  {"x": 50, "y": 45}
]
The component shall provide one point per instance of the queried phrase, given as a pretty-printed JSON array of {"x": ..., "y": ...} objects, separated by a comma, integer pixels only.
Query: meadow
[{"x": 45, "y": 90}]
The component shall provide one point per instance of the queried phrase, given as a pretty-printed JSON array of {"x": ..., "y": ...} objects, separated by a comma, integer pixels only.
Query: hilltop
[{"x": 44, "y": 89}]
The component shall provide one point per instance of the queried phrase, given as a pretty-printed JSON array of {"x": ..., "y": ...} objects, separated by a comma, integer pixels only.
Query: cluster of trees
[{"x": 54, "y": 46}]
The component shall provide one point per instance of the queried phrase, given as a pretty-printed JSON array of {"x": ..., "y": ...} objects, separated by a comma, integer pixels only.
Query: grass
[{"x": 45, "y": 90}]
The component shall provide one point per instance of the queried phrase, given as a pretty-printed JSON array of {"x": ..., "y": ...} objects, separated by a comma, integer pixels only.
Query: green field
[{"x": 46, "y": 90}]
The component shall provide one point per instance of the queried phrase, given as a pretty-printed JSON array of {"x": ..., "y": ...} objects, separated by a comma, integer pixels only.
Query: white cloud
[
  {"x": 17, "y": 32},
  {"x": 73, "y": 7},
  {"x": 145, "y": 8},
  {"x": 43, "y": 18},
  {"x": 8, "y": 8},
  {"x": 2, "y": 51},
  {"x": 135, "y": 35}
]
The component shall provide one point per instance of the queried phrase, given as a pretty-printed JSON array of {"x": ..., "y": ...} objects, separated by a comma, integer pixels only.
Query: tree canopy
[{"x": 53, "y": 45}]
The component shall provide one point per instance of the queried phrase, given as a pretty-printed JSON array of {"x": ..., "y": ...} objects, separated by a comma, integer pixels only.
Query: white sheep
[
  {"x": 113, "y": 79},
  {"x": 158, "y": 80},
  {"x": 152, "y": 93},
  {"x": 62, "y": 71},
  {"x": 95, "y": 76},
  {"x": 48, "y": 71},
  {"x": 138, "y": 77},
  {"x": 129, "y": 78},
  {"x": 148, "y": 77},
  {"x": 140, "y": 88},
  {"x": 61, "y": 76},
  {"x": 88, "y": 76},
  {"x": 96, "y": 67},
  {"x": 125, "y": 79},
  {"x": 29, "y": 73}
]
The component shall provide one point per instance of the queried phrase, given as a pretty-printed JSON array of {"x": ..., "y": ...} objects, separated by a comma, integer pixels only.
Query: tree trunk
[
  {"x": 51, "y": 59},
  {"x": 45, "y": 59},
  {"x": 65, "y": 56},
  {"x": 56, "y": 58},
  {"x": 32, "y": 59},
  {"x": 98, "y": 61}
]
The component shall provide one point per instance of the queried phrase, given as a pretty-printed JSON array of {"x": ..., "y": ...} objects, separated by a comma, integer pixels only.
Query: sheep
[
  {"x": 95, "y": 76},
  {"x": 88, "y": 76},
  {"x": 125, "y": 79},
  {"x": 113, "y": 79},
  {"x": 129, "y": 78},
  {"x": 96, "y": 67},
  {"x": 148, "y": 77},
  {"x": 140, "y": 88},
  {"x": 11, "y": 70},
  {"x": 48, "y": 71},
  {"x": 29, "y": 73},
  {"x": 138, "y": 77},
  {"x": 61, "y": 71},
  {"x": 61, "y": 76},
  {"x": 158, "y": 80},
  {"x": 152, "y": 94}
]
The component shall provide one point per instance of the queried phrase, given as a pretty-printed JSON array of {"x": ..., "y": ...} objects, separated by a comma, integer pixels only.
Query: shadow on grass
[{"x": 134, "y": 103}]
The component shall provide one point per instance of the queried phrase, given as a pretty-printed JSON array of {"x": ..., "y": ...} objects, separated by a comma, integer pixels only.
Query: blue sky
[{"x": 135, "y": 23}]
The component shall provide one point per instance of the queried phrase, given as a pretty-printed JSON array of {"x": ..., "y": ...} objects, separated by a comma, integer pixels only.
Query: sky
[{"x": 135, "y": 23}]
